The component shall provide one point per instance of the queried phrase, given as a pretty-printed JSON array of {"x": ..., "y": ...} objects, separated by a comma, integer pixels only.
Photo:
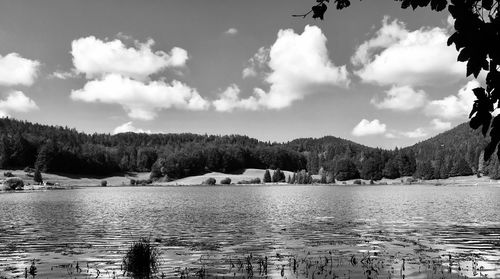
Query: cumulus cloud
[
  {"x": 440, "y": 125},
  {"x": 366, "y": 128},
  {"x": 16, "y": 70},
  {"x": 398, "y": 56},
  {"x": 16, "y": 101},
  {"x": 231, "y": 31},
  {"x": 140, "y": 100},
  {"x": 402, "y": 98},
  {"x": 96, "y": 58},
  {"x": 454, "y": 106},
  {"x": 417, "y": 133},
  {"x": 258, "y": 63},
  {"x": 129, "y": 128},
  {"x": 298, "y": 65},
  {"x": 229, "y": 100}
]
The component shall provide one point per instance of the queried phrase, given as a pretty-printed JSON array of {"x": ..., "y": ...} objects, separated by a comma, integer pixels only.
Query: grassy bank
[{"x": 249, "y": 174}]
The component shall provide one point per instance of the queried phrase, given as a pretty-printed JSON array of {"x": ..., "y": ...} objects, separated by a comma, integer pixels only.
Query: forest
[{"x": 172, "y": 156}]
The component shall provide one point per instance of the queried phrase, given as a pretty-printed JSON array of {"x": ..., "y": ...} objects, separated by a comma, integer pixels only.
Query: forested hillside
[{"x": 64, "y": 150}]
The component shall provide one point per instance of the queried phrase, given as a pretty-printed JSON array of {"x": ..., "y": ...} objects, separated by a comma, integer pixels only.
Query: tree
[
  {"x": 391, "y": 169},
  {"x": 424, "y": 171},
  {"x": 371, "y": 168},
  {"x": 477, "y": 39},
  {"x": 345, "y": 169},
  {"x": 37, "y": 177},
  {"x": 267, "y": 177}
]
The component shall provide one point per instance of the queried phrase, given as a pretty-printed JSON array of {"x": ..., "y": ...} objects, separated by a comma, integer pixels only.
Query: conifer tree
[{"x": 267, "y": 177}]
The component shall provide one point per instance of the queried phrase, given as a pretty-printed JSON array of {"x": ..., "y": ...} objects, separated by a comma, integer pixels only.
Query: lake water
[{"x": 399, "y": 231}]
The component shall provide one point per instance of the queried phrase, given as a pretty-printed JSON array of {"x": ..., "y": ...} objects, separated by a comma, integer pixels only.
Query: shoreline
[{"x": 62, "y": 181}]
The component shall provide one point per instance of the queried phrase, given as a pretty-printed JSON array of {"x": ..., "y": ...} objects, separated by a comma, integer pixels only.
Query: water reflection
[{"x": 419, "y": 224}]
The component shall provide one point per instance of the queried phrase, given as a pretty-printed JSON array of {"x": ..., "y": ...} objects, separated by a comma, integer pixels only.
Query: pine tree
[
  {"x": 267, "y": 177},
  {"x": 37, "y": 177}
]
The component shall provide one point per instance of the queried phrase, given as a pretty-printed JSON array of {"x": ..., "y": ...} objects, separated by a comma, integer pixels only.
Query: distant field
[
  {"x": 248, "y": 174},
  {"x": 78, "y": 180}
]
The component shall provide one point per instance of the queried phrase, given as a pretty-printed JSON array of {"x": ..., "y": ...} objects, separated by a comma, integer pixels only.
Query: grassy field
[
  {"x": 78, "y": 180},
  {"x": 124, "y": 179}
]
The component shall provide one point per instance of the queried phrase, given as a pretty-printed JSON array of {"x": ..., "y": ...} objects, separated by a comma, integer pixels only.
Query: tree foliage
[{"x": 172, "y": 156}]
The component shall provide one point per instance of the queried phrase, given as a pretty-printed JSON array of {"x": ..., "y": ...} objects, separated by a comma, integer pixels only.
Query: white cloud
[
  {"x": 440, "y": 125},
  {"x": 390, "y": 135},
  {"x": 402, "y": 98},
  {"x": 16, "y": 101},
  {"x": 96, "y": 58},
  {"x": 16, "y": 70},
  {"x": 139, "y": 99},
  {"x": 62, "y": 75},
  {"x": 417, "y": 133},
  {"x": 231, "y": 31},
  {"x": 229, "y": 100},
  {"x": 398, "y": 56},
  {"x": 454, "y": 106},
  {"x": 298, "y": 66},
  {"x": 258, "y": 63},
  {"x": 128, "y": 127},
  {"x": 365, "y": 128}
]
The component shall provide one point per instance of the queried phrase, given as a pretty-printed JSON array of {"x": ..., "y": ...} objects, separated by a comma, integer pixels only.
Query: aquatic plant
[{"x": 142, "y": 259}]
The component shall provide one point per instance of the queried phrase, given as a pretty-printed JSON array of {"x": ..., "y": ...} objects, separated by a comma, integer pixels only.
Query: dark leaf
[
  {"x": 480, "y": 93},
  {"x": 487, "y": 4},
  {"x": 464, "y": 54}
]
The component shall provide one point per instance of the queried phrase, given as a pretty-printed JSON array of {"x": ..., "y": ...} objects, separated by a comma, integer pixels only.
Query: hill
[{"x": 175, "y": 156}]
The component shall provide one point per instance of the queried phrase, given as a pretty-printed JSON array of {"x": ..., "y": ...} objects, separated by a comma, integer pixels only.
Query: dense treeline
[
  {"x": 64, "y": 150},
  {"x": 172, "y": 156}
]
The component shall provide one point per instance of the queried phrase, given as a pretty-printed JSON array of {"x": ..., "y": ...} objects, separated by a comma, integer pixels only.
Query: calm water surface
[{"x": 438, "y": 231}]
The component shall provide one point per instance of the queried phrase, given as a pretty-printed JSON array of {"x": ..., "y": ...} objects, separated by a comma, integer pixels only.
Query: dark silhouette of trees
[
  {"x": 172, "y": 156},
  {"x": 267, "y": 177},
  {"x": 37, "y": 176},
  {"x": 477, "y": 39}
]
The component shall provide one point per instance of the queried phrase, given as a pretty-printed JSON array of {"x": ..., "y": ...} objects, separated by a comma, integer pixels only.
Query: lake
[{"x": 391, "y": 231}]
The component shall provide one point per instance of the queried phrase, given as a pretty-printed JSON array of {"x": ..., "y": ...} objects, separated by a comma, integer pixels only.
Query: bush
[
  {"x": 8, "y": 174},
  {"x": 14, "y": 183},
  {"x": 251, "y": 181},
  {"x": 357, "y": 182},
  {"x": 210, "y": 181},
  {"x": 226, "y": 181},
  {"x": 141, "y": 259},
  {"x": 143, "y": 182},
  {"x": 132, "y": 182},
  {"x": 104, "y": 183}
]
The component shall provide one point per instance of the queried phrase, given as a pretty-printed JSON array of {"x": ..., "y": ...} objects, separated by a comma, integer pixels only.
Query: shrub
[
  {"x": 210, "y": 181},
  {"x": 251, "y": 181},
  {"x": 14, "y": 183},
  {"x": 132, "y": 182},
  {"x": 38, "y": 177},
  {"x": 141, "y": 259},
  {"x": 8, "y": 174},
  {"x": 143, "y": 182},
  {"x": 104, "y": 183},
  {"x": 357, "y": 182},
  {"x": 226, "y": 181}
]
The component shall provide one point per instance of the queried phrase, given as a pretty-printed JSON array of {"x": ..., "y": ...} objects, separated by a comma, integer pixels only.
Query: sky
[{"x": 373, "y": 73}]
